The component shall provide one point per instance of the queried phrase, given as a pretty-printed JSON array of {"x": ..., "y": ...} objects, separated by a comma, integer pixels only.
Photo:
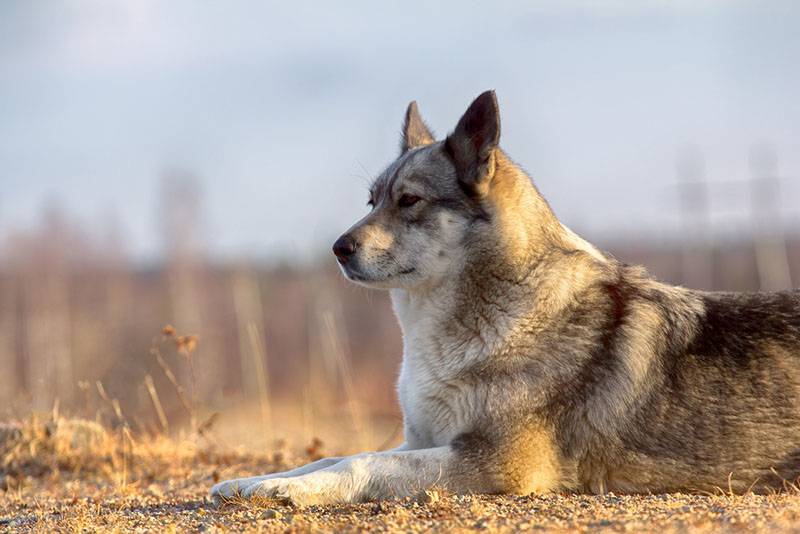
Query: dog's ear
[
  {"x": 415, "y": 132},
  {"x": 472, "y": 144}
]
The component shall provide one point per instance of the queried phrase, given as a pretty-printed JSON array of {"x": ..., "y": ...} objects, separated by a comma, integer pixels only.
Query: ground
[{"x": 75, "y": 476}]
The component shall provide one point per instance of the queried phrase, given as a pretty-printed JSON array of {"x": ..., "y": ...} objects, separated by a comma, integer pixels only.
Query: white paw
[
  {"x": 301, "y": 491},
  {"x": 236, "y": 488}
]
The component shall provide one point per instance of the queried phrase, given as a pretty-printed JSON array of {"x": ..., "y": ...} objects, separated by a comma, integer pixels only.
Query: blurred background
[{"x": 190, "y": 163}]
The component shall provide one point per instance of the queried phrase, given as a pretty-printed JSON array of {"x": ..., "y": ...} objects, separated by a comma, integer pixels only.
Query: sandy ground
[
  {"x": 182, "y": 506},
  {"x": 53, "y": 481}
]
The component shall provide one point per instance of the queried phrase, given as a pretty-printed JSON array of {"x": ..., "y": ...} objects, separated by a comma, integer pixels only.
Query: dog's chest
[
  {"x": 428, "y": 409},
  {"x": 438, "y": 404}
]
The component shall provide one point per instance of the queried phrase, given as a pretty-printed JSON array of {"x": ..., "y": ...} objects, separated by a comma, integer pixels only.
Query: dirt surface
[
  {"x": 166, "y": 506},
  {"x": 67, "y": 480}
]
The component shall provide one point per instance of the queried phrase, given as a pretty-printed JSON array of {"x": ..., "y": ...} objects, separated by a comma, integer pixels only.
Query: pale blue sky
[{"x": 284, "y": 110}]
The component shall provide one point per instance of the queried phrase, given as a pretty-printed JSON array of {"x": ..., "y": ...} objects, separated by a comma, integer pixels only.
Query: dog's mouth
[{"x": 354, "y": 275}]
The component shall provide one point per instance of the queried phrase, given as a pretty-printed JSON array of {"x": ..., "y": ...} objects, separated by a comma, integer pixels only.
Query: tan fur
[{"x": 534, "y": 362}]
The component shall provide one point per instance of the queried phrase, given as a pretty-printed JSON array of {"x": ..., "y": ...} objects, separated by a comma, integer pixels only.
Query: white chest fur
[{"x": 436, "y": 406}]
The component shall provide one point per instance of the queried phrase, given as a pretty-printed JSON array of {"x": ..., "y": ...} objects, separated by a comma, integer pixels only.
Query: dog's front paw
[
  {"x": 299, "y": 491},
  {"x": 233, "y": 489}
]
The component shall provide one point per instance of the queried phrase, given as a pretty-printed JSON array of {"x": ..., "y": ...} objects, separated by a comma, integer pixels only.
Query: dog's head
[{"x": 424, "y": 205}]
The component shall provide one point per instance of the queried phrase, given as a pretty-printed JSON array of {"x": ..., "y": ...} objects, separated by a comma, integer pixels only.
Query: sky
[{"x": 284, "y": 111}]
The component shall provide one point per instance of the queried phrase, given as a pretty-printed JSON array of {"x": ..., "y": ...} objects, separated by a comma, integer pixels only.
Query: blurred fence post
[
  {"x": 768, "y": 239},
  {"x": 9, "y": 375}
]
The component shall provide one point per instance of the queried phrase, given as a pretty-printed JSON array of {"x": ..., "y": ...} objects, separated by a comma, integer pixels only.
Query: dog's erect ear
[
  {"x": 415, "y": 131},
  {"x": 473, "y": 143}
]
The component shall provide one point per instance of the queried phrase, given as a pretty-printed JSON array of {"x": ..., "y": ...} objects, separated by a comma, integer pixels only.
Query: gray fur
[{"x": 534, "y": 362}]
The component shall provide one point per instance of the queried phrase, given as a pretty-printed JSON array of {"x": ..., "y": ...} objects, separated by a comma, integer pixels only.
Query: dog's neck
[
  {"x": 518, "y": 254},
  {"x": 523, "y": 227}
]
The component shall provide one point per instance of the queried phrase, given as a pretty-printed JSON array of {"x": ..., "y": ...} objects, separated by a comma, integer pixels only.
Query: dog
[{"x": 533, "y": 362}]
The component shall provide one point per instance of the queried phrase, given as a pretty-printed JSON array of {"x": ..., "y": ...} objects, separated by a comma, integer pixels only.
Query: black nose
[{"x": 344, "y": 247}]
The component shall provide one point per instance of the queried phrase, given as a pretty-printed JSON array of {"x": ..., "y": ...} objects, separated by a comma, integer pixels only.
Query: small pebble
[{"x": 271, "y": 514}]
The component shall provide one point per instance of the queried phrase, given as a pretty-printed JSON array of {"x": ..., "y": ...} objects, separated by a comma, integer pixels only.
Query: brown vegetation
[{"x": 74, "y": 475}]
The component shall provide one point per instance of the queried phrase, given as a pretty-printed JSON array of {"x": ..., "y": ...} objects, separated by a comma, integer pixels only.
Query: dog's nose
[{"x": 344, "y": 247}]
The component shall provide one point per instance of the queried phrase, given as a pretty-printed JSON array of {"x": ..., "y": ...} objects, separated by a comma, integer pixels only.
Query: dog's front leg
[
  {"x": 243, "y": 486},
  {"x": 363, "y": 477},
  {"x": 240, "y": 486}
]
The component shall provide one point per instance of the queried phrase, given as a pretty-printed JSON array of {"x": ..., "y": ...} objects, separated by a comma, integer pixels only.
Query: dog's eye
[
  {"x": 408, "y": 201},
  {"x": 371, "y": 203}
]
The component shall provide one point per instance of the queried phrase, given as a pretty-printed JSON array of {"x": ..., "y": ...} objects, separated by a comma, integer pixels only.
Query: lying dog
[{"x": 534, "y": 362}]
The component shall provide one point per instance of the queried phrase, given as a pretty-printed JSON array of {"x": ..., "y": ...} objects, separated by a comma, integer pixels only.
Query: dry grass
[
  {"x": 60, "y": 474},
  {"x": 65, "y": 475}
]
